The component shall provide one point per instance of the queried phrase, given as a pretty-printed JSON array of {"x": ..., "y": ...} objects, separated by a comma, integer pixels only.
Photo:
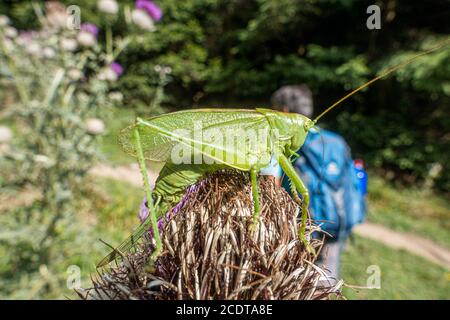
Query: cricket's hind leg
[
  {"x": 298, "y": 185},
  {"x": 255, "y": 195},
  {"x": 152, "y": 220}
]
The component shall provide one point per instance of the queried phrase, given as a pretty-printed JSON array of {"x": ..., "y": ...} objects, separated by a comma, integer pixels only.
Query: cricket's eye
[{"x": 308, "y": 125}]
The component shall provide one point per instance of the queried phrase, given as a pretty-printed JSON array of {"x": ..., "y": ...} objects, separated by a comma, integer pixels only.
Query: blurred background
[{"x": 73, "y": 73}]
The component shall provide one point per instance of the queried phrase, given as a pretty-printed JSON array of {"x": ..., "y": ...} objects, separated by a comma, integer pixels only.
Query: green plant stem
[
  {"x": 109, "y": 43},
  {"x": 120, "y": 48},
  {"x": 68, "y": 95},
  {"x": 156, "y": 101},
  {"x": 59, "y": 75},
  {"x": 38, "y": 11}
]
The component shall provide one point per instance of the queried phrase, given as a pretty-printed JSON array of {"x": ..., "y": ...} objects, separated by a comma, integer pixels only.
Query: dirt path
[
  {"x": 130, "y": 173},
  {"x": 415, "y": 244},
  {"x": 406, "y": 241}
]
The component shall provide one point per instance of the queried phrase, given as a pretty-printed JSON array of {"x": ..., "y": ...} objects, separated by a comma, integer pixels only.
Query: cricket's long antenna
[{"x": 382, "y": 75}]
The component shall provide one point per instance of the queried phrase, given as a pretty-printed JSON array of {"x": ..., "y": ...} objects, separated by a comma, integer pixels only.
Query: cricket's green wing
[{"x": 235, "y": 137}]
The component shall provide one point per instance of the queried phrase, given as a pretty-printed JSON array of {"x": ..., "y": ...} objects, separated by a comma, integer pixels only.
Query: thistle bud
[
  {"x": 95, "y": 126},
  {"x": 5, "y": 134},
  {"x": 69, "y": 44},
  {"x": 142, "y": 20},
  {"x": 108, "y": 6}
]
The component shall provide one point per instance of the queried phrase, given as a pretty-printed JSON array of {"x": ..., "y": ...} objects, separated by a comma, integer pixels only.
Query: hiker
[{"x": 336, "y": 184}]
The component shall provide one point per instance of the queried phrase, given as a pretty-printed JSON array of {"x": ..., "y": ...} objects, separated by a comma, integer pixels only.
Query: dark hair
[{"x": 296, "y": 98}]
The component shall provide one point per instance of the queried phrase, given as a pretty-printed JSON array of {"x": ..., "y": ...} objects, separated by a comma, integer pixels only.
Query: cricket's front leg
[
  {"x": 255, "y": 194},
  {"x": 300, "y": 186}
]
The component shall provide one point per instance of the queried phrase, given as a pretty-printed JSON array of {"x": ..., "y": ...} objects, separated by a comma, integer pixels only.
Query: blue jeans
[{"x": 330, "y": 257}]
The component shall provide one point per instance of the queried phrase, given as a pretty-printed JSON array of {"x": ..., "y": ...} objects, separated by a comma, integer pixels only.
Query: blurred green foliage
[
  {"x": 231, "y": 51},
  {"x": 63, "y": 95}
]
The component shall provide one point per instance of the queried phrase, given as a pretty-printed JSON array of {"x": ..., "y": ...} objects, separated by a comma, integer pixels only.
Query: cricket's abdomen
[{"x": 173, "y": 180}]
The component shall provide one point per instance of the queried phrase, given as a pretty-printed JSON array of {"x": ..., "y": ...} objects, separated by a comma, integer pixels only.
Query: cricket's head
[{"x": 299, "y": 127}]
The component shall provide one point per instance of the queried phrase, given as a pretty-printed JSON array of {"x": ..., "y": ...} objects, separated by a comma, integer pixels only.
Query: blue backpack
[{"x": 337, "y": 193}]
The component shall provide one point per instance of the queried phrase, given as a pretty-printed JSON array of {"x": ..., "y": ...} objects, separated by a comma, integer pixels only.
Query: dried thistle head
[{"x": 210, "y": 251}]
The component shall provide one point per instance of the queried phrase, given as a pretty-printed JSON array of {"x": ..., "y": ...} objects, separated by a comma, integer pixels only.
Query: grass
[
  {"x": 409, "y": 210},
  {"x": 106, "y": 210},
  {"x": 403, "y": 275},
  {"x": 113, "y": 214}
]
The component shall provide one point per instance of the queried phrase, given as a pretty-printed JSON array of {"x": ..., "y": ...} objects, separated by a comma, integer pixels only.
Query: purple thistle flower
[
  {"x": 182, "y": 203},
  {"x": 117, "y": 68},
  {"x": 144, "y": 210},
  {"x": 90, "y": 27},
  {"x": 28, "y": 35},
  {"x": 151, "y": 8}
]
